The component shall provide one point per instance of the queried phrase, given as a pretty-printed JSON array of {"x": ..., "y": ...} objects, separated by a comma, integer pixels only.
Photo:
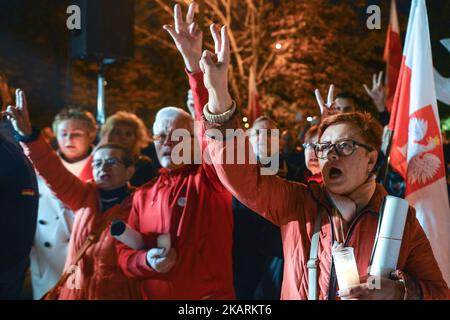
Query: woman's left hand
[{"x": 387, "y": 290}]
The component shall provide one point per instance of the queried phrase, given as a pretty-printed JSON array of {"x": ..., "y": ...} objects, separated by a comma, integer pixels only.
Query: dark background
[{"x": 34, "y": 53}]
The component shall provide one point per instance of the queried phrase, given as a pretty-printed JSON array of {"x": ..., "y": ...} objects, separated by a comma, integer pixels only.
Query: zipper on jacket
[{"x": 333, "y": 278}]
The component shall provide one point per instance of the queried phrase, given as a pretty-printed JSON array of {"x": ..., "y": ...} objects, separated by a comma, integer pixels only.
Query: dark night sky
[{"x": 22, "y": 51}]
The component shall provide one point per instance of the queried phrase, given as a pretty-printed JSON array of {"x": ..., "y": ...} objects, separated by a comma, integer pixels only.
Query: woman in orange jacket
[
  {"x": 348, "y": 201},
  {"x": 97, "y": 274}
]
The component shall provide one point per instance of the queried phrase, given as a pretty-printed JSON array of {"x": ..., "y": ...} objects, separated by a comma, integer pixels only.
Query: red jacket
[
  {"x": 294, "y": 206},
  {"x": 98, "y": 276},
  {"x": 192, "y": 205}
]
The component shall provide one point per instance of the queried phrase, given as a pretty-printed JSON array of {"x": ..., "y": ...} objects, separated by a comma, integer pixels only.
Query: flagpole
[{"x": 385, "y": 168}]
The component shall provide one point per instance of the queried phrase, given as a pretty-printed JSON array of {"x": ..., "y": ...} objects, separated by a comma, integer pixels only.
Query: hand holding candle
[{"x": 345, "y": 266}]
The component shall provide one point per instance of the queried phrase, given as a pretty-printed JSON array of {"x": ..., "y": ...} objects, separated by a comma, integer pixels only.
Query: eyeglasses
[
  {"x": 342, "y": 148},
  {"x": 161, "y": 138},
  {"x": 111, "y": 162},
  {"x": 309, "y": 145}
]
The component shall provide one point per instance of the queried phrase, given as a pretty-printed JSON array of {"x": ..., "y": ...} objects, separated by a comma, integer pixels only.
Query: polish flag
[
  {"x": 416, "y": 151},
  {"x": 254, "y": 107},
  {"x": 392, "y": 55}
]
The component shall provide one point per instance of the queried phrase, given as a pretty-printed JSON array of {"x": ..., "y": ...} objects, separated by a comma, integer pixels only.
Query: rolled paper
[
  {"x": 389, "y": 237},
  {"x": 127, "y": 235},
  {"x": 163, "y": 241}
]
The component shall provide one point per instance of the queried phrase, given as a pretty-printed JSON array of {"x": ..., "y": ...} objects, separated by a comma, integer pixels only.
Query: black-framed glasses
[
  {"x": 110, "y": 162},
  {"x": 343, "y": 148}
]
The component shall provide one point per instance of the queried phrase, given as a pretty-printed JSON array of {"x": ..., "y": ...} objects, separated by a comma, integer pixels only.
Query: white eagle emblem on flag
[{"x": 422, "y": 165}]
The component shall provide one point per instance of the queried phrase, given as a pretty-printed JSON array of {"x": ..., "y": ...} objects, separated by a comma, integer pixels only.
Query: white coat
[{"x": 49, "y": 252}]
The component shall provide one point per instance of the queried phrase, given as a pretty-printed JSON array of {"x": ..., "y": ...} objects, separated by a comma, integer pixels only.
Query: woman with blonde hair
[{"x": 129, "y": 130}]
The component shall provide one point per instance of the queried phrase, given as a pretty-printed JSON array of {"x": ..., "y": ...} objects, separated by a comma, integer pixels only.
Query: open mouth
[
  {"x": 334, "y": 173},
  {"x": 104, "y": 177}
]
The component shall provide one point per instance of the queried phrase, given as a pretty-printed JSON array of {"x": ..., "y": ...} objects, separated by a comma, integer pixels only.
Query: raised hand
[
  {"x": 329, "y": 108},
  {"x": 377, "y": 93},
  {"x": 18, "y": 114},
  {"x": 187, "y": 37},
  {"x": 215, "y": 69}
]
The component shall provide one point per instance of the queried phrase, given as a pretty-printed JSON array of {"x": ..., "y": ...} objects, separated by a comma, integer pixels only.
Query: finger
[
  {"x": 374, "y": 80},
  {"x": 19, "y": 102},
  {"x": 179, "y": 24},
  {"x": 330, "y": 98},
  {"x": 379, "y": 78},
  {"x": 348, "y": 293},
  {"x": 8, "y": 113},
  {"x": 208, "y": 59},
  {"x": 367, "y": 90},
  {"x": 224, "y": 55},
  {"x": 191, "y": 12},
  {"x": 12, "y": 112},
  {"x": 23, "y": 100},
  {"x": 194, "y": 30},
  {"x": 171, "y": 30},
  {"x": 319, "y": 100},
  {"x": 216, "y": 37}
]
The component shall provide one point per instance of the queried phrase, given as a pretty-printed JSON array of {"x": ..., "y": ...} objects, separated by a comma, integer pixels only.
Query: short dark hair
[{"x": 127, "y": 157}]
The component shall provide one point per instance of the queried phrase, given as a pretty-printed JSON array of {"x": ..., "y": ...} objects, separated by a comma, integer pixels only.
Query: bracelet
[{"x": 219, "y": 118}]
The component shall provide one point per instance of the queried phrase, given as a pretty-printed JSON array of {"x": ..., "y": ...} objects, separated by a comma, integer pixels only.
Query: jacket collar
[{"x": 320, "y": 195}]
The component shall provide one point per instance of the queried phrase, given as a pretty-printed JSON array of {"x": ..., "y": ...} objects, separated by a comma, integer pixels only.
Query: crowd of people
[{"x": 235, "y": 229}]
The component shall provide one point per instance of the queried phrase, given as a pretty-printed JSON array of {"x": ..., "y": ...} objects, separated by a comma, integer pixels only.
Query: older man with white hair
[{"x": 189, "y": 204}]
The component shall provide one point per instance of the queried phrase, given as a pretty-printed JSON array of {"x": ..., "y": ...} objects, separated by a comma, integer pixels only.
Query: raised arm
[
  {"x": 378, "y": 96},
  {"x": 67, "y": 187},
  {"x": 188, "y": 39},
  {"x": 275, "y": 199}
]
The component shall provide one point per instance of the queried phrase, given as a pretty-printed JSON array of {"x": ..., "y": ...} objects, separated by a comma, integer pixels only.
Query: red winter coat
[
  {"x": 294, "y": 206},
  {"x": 192, "y": 205},
  {"x": 98, "y": 276}
]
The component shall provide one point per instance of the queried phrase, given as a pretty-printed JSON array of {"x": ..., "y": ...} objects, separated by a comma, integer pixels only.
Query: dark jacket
[{"x": 18, "y": 210}]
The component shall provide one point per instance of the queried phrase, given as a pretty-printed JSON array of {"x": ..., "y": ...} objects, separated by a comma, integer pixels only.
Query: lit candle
[{"x": 345, "y": 266}]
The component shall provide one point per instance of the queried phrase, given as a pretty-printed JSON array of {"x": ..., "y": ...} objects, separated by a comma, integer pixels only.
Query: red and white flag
[
  {"x": 254, "y": 108},
  {"x": 416, "y": 151},
  {"x": 392, "y": 55}
]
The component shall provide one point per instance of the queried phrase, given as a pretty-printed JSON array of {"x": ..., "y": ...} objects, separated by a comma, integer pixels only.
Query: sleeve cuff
[
  {"x": 30, "y": 138},
  {"x": 226, "y": 130},
  {"x": 219, "y": 118}
]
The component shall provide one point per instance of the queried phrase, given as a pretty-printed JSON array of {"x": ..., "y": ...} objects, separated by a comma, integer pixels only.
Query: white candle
[{"x": 346, "y": 268}]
